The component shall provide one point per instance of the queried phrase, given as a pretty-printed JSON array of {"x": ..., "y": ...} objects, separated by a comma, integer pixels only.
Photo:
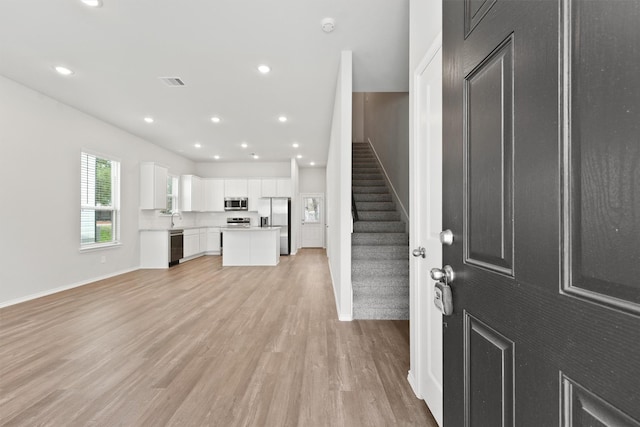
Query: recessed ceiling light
[
  {"x": 92, "y": 3},
  {"x": 197, "y": 145},
  {"x": 244, "y": 145},
  {"x": 282, "y": 118},
  {"x": 216, "y": 157},
  {"x": 255, "y": 156},
  {"x": 215, "y": 119},
  {"x": 148, "y": 119},
  {"x": 63, "y": 70},
  {"x": 299, "y": 156},
  {"x": 295, "y": 145},
  {"x": 312, "y": 163},
  {"x": 264, "y": 69}
]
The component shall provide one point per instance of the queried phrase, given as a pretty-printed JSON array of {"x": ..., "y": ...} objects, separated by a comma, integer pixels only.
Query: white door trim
[{"x": 419, "y": 362}]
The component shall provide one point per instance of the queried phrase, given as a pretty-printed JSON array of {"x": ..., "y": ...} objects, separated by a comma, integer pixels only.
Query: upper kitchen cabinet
[
  {"x": 283, "y": 187},
  {"x": 269, "y": 188},
  {"x": 191, "y": 193},
  {"x": 153, "y": 186},
  {"x": 276, "y": 187},
  {"x": 254, "y": 192},
  {"x": 213, "y": 190},
  {"x": 235, "y": 188}
]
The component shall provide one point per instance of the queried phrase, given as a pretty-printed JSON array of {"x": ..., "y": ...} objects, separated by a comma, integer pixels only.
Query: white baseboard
[
  {"x": 63, "y": 288},
  {"x": 412, "y": 383},
  {"x": 341, "y": 317}
]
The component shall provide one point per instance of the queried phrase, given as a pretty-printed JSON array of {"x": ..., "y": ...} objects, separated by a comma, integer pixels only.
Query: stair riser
[
  {"x": 378, "y": 216},
  {"x": 366, "y": 176},
  {"x": 367, "y": 182},
  {"x": 368, "y": 268},
  {"x": 380, "y": 291},
  {"x": 372, "y": 197},
  {"x": 375, "y": 206},
  {"x": 379, "y": 239},
  {"x": 370, "y": 190},
  {"x": 379, "y": 252},
  {"x": 379, "y": 227}
]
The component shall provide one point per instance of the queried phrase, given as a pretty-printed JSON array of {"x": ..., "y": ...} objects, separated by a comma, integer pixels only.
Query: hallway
[{"x": 204, "y": 345}]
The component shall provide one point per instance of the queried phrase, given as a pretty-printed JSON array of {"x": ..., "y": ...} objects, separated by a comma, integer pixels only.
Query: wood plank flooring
[{"x": 203, "y": 345}]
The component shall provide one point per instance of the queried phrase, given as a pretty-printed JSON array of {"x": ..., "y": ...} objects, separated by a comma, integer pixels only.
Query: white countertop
[
  {"x": 188, "y": 227},
  {"x": 249, "y": 228}
]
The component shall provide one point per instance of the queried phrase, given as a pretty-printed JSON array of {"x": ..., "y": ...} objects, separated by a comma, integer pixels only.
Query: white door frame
[
  {"x": 420, "y": 292},
  {"x": 322, "y": 216}
]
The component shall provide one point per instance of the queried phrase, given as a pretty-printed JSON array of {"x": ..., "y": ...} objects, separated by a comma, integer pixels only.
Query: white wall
[
  {"x": 243, "y": 169},
  {"x": 296, "y": 207},
  {"x": 313, "y": 180},
  {"x": 358, "y": 117},
  {"x": 339, "y": 190},
  {"x": 386, "y": 125},
  {"x": 40, "y": 141}
]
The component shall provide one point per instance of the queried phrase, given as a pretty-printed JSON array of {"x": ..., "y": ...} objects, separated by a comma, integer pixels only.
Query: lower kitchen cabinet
[
  {"x": 213, "y": 241},
  {"x": 191, "y": 242}
]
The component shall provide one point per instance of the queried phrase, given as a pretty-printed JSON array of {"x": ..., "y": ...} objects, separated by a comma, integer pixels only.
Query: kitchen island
[{"x": 250, "y": 246}]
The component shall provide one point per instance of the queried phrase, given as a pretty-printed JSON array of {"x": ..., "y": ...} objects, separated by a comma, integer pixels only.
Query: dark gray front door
[{"x": 541, "y": 188}]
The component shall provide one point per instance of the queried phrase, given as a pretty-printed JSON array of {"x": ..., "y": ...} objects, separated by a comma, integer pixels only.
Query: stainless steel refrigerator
[{"x": 278, "y": 210}]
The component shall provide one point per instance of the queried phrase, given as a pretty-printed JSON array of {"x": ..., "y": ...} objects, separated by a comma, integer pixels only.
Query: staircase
[{"x": 379, "y": 244}]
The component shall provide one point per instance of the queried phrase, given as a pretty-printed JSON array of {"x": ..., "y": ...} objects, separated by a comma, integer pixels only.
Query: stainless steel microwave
[{"x": 236, "y": 204}]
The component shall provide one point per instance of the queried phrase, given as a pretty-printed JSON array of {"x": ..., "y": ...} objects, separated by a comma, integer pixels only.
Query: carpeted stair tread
[
  {"x": 377, "y": 267},
  {"x": 371, "y": 189},
  {"x": 378, "y": 216},
  {"x": 379, "y": 226},
  {"x": 375, "y": 206},
  {"x": 372, "y": 252},
  {"x": 380, "y": 239},
  {"x": 372, "y": 197},
  {"x": 367, "y": 182}
]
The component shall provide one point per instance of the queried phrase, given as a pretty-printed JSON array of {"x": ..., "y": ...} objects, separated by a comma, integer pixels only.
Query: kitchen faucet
[{"x": 175, "y": 213}]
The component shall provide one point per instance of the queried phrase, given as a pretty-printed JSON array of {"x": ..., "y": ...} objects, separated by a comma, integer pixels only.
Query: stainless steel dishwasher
[{"x": 176, "y": 246}]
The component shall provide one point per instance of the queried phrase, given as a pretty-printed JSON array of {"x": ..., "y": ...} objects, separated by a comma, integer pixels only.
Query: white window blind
[{"x": 99, "y": 201}]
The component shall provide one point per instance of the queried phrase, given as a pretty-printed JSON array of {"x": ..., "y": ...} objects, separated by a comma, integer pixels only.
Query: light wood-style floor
[{"x": 203, "y": 345}]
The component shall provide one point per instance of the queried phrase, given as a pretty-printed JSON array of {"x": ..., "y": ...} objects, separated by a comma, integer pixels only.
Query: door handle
[
  {"x": 446, "y": 237},
  {"x": 422, "y": 252},
  {"x": 443, "y": 297},
  {"x": 443, "y": 275}
]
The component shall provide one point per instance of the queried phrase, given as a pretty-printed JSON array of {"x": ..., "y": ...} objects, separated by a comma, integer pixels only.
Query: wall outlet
[{"x": 103, "y": 259}]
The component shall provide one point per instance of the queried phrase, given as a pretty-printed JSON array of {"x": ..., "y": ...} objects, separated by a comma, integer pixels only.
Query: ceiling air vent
[{"x": 172, "y": 81}]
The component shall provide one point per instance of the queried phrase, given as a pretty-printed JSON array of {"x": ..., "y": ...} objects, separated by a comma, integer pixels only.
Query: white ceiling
[{"x": 119, "y": 50}]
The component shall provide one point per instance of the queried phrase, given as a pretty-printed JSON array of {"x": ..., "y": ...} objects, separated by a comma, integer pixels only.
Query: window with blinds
[{"x": 99, "y": 201}]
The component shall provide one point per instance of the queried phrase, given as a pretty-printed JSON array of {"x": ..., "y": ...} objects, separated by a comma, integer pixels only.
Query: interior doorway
[{"x": 313, "y": 228}]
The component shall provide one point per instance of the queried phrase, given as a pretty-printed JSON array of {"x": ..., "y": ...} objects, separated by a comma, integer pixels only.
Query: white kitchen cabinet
[
  {"x": 202, "y": 246},
  {"x": 153, "y": 186},
  {"x": 254, "y": 192},
  {"x": 235, "y": 188},
  {"x": 191, "y": 193},
  {"x": 191, "y": 244},
  {"x": 276, "y": 187},
  {"x": 213, "y": 241},
  {"x": 213, "y": 191},
  {"x": 251, "y": 246},
  {"x": 283, "y": 187},
  {"x": 154, "y": 249},
  {"x": 269, "y": 187}
]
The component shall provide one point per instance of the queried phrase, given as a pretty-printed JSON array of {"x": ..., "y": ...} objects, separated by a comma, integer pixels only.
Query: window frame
[
  {"x": 174, "y": 196},
  {"x": 114, "y": 207}
]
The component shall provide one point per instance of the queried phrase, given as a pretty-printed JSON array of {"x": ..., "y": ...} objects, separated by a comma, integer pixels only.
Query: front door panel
[{"x": 541, "y": 187}]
